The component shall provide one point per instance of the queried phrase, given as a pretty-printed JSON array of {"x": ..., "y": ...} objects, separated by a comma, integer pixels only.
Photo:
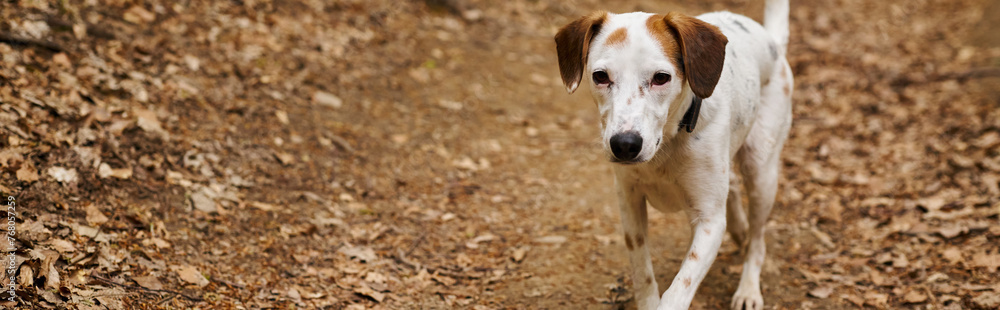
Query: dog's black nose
[{"x": 626, "y": 145}]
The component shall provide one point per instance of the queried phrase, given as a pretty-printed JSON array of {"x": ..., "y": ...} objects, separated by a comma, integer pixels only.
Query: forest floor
[{"x": 425, "y": 155}]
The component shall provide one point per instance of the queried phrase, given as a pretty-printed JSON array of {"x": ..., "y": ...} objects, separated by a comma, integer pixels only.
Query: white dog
[{"x": 681, "y": 98}]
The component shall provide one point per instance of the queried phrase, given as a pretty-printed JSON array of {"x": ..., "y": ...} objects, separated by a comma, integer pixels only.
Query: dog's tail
[{"x": 776, "y": 21}]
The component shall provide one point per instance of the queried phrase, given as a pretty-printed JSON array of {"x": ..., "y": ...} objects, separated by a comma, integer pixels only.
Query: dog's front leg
[
  {"x": 708, "y": 214},
  {"x": 634, "y": 227}
]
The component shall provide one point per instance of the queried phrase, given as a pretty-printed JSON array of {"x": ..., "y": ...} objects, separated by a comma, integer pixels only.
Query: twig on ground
[
  {"x": 143, "y": 289},
  {"x": 400, "y": 258},
  {"x": 415, "y": 244},
  {"x": 18, "y": 40}
]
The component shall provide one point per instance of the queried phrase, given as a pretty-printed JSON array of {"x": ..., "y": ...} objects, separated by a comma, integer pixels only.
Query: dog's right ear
[{"x": 573, "y": 45}]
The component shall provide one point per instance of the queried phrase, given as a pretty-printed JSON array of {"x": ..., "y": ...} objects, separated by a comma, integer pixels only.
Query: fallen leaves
[
  {"x": 27, "y": 174},
  {"x": 149, "y": 282},
  {"x": 990, "y": 261},
  {"x": 191, "y": 275},
  {"x": 361, "y": 253},
  {"x": 105, "y": 171},
  {"x": 327, "y": 99},
  {"x": 821, "y": 292},
  {"x": 551, "y": 240},
  {"x": 95, "y": 216},
  {"x": 63, "y": 175},
  {"x": 888, "y": 197},
  {"x": 915, "y": 297}
]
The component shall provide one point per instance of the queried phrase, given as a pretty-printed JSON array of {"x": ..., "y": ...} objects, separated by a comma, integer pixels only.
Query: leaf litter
[{"x": 370, "y": 154}]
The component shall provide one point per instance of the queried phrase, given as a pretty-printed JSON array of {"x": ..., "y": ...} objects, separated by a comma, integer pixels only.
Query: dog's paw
[{"x": 748, "y": 299}]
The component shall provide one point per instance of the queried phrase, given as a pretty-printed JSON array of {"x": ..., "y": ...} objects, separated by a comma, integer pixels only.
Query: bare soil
[{"x": 424, "y": 155}]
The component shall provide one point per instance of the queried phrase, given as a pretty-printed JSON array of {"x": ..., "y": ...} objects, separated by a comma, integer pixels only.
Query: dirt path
[{"x": 424, "y": 155}]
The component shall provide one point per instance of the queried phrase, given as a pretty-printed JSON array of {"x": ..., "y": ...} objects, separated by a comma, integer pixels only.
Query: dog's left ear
[
  {"x": 703, "y": 50},
  {"x": 573, "y": 45}
]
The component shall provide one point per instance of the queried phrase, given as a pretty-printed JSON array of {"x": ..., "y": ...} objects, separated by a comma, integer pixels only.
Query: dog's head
[{"x": 643, "y": 69}]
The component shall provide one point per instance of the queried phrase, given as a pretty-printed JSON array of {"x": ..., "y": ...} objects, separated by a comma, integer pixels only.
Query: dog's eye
[
  {"x": 661, "y": 78},
  {"x": 601, "y": 77}
]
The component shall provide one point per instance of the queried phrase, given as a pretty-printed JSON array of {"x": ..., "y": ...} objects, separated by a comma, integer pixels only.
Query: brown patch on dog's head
[
  {"x": 617, "y": 37},
  {"x": 699, "y": 47},
  {"x": 668, "y": 41},
  {"x": 573, "y": 46}
]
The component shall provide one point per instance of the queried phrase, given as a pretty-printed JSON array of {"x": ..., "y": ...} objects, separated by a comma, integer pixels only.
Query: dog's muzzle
[{"x": 626, "y": 146}]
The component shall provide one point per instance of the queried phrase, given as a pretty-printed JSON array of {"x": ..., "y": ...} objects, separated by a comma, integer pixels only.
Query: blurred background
[{"x": 424, "y": 155}]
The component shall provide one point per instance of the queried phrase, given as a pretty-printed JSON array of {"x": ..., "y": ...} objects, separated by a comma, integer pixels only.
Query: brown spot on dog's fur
[
  {"x": 707, "y": 231},
  {"x": 642, "y": 91},
  {"x": 639, "y": 241},
  {"x": 786, "y": 89},
  {"x": 693, "y": 256},
  {"x": 628, "y": 243},
  {"x": 649, "y": 280},
  {"x": 687, "y": 282},
  {"x": 573, "y": 46},
  {"x": 668, "y": 42},
  {"x": 617, "y": 38}
]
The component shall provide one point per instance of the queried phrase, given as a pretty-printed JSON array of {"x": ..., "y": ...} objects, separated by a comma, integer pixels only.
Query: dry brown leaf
[
  {"x": 138, "y": 15},
  {"x": 988, "y": 300},
  {"x": 95, "y": 216},
  {"x": 821, "y": 292},
  {"x": 444, "y": 280},
  {"x": 520, "y": 253},
  {"x": 877, "y": 299},
  {"x": 327, "y": 99},
  {"x": 262, "y": 206},
  {"x": 854, "y": 299},
  {"x": 148, "y": 121},
  {"x": 62, "y": 246},
  {"x": 150, "y": 282},
  {"x": 105, "y": 171},
  {"x": 551, "y": 239},
  {"x": 952, "y": 231},
  {"x": 191, "y": 275},
  {"x": 202, "y": 200},
  {"x": 989, "y": 261},
  {"x": 987, "y": 140},
  {"x": 362, "y": 253},
  {"x": 364, "y": 290},
  {"x": 48, "y": 269},
  {"x": 915, "y": 297},
  {"x": 953, "y": 255},
  {"x": 285, "y": 158},
  {"x": 63, "y": 175},
  {"x": 27, "y": 174}
]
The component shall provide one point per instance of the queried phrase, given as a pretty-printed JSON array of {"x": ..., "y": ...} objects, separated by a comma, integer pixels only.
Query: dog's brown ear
[
  {"x": 703, "y": 50},
  {"x": 573, "y": 45}
]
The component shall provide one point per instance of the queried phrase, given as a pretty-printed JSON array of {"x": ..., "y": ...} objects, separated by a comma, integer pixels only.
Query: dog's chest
[{"x": 660, "y": 188}]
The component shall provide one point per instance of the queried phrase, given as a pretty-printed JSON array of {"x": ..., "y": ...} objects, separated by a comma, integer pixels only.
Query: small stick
[
  {"x": 399, "y": 258},
  {"x": 139, "y": 288},
  {"x": 18, "y": 40}
]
